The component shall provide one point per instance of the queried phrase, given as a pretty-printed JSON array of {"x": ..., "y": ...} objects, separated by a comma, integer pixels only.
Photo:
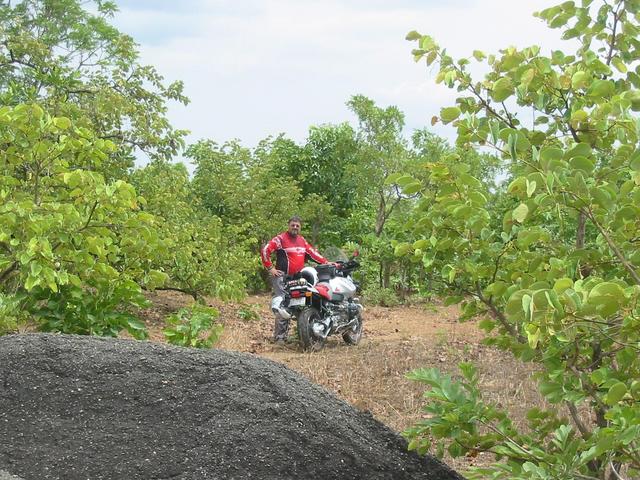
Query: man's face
[{"x": 294, "y": 228}]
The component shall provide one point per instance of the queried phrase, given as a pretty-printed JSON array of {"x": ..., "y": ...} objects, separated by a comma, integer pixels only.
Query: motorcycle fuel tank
[{"x": 341, "y": 288}]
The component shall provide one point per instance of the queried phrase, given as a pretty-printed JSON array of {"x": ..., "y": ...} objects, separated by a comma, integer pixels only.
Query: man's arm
[
  {"x": 265, "y": 253},
  {"x": 265, "y": 256},
  {"x": 313, "y": 253}
]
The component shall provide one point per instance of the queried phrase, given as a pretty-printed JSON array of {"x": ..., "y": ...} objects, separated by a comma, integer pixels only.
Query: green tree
[
  {"x": 202, "y": 256},
  {"x": 382, "y": 152},
  {"x": 552, "y": 265},
  {"x": 240, "y": 188},
  {"x": 74, "y": 249},
  {"x": 322, "y": 169},
  {"x": 64, "y": 55}
]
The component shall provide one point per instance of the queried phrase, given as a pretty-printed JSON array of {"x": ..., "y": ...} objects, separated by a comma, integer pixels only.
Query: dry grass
[{"x": 371, "y": 376}]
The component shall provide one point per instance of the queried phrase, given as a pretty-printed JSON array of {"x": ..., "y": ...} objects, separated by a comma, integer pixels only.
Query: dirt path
[{"x": 371, "y": 376}]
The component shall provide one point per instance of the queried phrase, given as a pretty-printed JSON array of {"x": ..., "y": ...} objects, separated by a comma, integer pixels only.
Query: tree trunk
[
  {"x": 406, "y": 288},
  {"x": 380, "y": 217},
  {"x": 386, "y": 281},
  {"x": 315, "y": 232},
  {"x": 585, "y": 270},
  {"x": 580, "y": 232}
]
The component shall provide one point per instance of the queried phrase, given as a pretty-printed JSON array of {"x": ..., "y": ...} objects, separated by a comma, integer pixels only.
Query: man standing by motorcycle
[{"x": 291, "y": 251}]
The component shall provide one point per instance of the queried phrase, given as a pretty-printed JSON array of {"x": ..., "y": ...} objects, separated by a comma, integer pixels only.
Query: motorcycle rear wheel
[
  {"x": 308, "y": 340},
  {"x": 353, "y": 336}
]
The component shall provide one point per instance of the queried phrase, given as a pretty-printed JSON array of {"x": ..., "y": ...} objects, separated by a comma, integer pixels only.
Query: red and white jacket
[{"x": 291, "y": 252}]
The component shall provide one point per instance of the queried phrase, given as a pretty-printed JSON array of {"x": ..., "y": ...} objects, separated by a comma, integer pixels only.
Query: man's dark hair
[{"x": 295, "y": 218}]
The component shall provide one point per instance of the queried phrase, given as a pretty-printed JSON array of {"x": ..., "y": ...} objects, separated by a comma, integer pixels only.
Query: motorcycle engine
[
  {"x": 339, "y": 313},
  {"x": 342, "y": 313},
  {"x": 354, "y": 309}
]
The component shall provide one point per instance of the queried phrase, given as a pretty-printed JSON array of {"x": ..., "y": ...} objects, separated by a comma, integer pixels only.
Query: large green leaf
[
  {"x": 615, "y": 393},
  {"x": 449, "y": 114},
  {"x": 402, "y": 249},
  {"x": 520, "y": 213},
  {"x": 601, "y": 88},
  {"x": 582, "y": 163},
  {"x": 502, "y": 89},
  {"x": 635, "y": 161},
  {"x": 580, "y": 80},
  {"x": 580, "y": 149},
  {"x": 412, "y": 188}
]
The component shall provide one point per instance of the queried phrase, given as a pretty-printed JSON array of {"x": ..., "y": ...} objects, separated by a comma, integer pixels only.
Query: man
[{"x": 291, "y": 251}]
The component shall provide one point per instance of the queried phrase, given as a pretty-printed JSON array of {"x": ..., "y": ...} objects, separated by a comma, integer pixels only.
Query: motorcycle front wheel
[
  {"x": 308, "y": 340},
  {"x": 353, "y": 335}
]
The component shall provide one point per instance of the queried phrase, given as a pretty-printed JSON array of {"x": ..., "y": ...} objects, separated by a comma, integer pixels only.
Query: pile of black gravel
[{"x": 92, "y": 408}]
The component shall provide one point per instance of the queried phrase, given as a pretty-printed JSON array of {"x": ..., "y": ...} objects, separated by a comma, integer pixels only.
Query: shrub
[
  {"x": 384, "y": 297},
  {"x": 248, "y": 312},
  {"x": 193, "y": 327},
  {"x": 9, "y": 313}
]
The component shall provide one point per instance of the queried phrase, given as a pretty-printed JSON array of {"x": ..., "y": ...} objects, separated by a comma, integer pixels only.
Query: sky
[{"x": 254, "y": 68}]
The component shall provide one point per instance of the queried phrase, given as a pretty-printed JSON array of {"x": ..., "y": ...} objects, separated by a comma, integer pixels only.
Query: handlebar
[{"x": 350, "y": 265}]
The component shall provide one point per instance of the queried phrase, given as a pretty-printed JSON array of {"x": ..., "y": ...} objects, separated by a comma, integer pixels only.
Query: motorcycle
[{"x": 323, "y": 301}]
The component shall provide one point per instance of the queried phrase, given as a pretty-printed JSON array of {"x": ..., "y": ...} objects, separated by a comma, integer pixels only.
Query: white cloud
[{"x": 258, "y": 68}]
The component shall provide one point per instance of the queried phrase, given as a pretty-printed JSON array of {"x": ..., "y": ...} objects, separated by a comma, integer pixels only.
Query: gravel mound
[
  {"x": 5, "y": 476},
  {"x": 76, "y": 407}
]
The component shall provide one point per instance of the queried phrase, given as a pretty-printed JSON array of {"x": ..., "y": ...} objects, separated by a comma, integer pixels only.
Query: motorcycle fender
[{"x": 323, "y": 291}]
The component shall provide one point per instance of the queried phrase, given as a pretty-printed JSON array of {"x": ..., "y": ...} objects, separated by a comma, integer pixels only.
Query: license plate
[{"x": 294, "y": 302}]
